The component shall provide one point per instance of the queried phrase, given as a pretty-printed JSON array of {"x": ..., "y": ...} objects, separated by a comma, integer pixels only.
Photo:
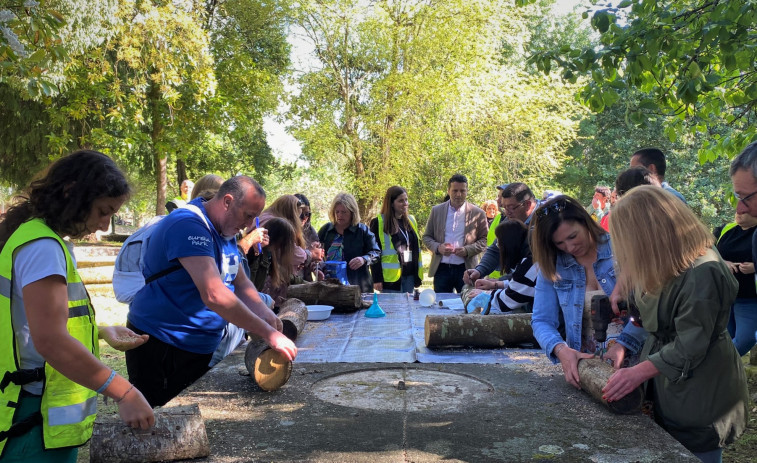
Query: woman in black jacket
[{"x": 346, "y": 239}]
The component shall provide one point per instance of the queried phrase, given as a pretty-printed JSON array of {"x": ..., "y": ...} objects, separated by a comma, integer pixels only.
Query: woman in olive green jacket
[{"x": 684, "y": 293}]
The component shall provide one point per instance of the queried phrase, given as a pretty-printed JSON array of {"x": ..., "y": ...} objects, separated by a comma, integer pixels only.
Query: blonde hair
[
  {"x": 207, "y": 186},
  {"x": 288, "y": 207},
  {"x": 349, "y": 202},
  {"x": 655, "y": 238}
]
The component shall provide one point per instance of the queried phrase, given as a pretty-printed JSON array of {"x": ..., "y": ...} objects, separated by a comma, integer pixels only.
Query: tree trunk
[
  {"x": 161, "y": 158},
  {"x": 178, "y": 434},
  {"x": 345, "y": 299},
  {"x": 181, "y": 172},
  {"x": 593, "y": 375},
  {"x": 293, "y": 315},
  {"x": 268, "y": 368},
  {"x": 478, "y": 330}
]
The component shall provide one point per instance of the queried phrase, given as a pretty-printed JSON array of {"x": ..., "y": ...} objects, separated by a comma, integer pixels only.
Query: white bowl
[{"x": 319, "y": 312}]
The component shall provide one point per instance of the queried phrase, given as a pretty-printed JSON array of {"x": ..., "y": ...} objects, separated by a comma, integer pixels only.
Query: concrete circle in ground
[{"x": 400, "y": 389}]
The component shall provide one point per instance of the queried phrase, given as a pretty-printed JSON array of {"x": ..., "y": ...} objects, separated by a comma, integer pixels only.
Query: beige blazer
[{"x": 475, "y": 234}]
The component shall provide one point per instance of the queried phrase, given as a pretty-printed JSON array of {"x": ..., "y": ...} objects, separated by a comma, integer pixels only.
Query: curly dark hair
[{"x": 62, "y": 195}]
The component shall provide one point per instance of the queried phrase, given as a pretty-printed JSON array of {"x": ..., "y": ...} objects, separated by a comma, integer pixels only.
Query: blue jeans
[
  {"x": 448, "y": 278},
  {"x": 407, "y": 284},
  {"x": 743, "y": 324}
]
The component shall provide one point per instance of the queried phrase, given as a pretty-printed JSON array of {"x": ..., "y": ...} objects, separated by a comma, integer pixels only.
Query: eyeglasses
[
  {"x": 556, "y": 207},
  {"x": 745, "y": 198},
  {"x": 305, "y": 215},
  {"x": 512, "y": 208}
]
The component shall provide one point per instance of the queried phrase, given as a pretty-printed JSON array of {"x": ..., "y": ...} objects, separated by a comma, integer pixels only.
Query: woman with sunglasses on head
[
  {"x": 314, "y": 249},
  {"x": 400, "y": 269},
  {"x": 575, "y": 263},
  {"x": 683, "y": 290},
  {"x": 50, "y": 344}
]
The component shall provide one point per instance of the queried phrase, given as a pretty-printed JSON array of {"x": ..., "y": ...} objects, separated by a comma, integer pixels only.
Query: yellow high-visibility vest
[
  {"x": 390, "y": 261},
  {"x": 68, "y": 409}
]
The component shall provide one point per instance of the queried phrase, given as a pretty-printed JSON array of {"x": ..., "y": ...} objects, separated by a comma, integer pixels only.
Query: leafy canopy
[{"x": 689, "y": 57}]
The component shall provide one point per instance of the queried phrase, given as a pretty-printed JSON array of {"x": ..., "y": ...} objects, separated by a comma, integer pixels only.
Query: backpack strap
[{"x": 176, "y": 267}]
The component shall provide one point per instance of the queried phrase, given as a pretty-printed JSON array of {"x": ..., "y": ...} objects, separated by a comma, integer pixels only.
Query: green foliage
[
  {"x": 410, "y": 92},
  {"x": 689, "y": 58},
  {"x": 29, "y": 44},
  {"x": 150, "y": 83}
]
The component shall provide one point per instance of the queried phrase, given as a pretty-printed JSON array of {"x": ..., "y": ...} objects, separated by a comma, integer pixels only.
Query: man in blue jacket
[{"x": 194, "y": 287}]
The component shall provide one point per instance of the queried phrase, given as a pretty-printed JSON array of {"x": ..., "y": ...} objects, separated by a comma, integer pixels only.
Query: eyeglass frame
[
  {"x": 514, "y": 208},
  {"x": 304, "y": 215},
  {"x": 745, "y": 198}
]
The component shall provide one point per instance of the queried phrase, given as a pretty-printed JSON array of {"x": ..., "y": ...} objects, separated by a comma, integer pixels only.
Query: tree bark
[
  {"x": 345, "y": 299},
  {"x": 178, "y": 434},
  {"x": 161, "y": 159},
  {"x": 478, "y": 330},
  {"x": 181, "y": 172},
  {"x": 593, "y": 375},
  {"x": 293, "y": 315},
  {"x": 268, "y": 368}
]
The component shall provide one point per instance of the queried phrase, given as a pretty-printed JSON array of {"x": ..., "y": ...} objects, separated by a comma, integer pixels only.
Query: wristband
[
  {"x": 559, "y": 348},
  {"x": 107, "y": 382}
]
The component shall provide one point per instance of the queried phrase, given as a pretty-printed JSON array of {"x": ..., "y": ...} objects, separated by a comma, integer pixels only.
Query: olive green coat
[{"x": 700, "y": 395}]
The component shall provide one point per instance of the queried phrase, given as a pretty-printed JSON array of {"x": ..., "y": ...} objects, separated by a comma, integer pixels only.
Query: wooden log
[
  {"x": 268, "y": 368},
  {"x": 478, "y": 330},
  {"x": 344, "y": 299},
  {"x": 593, "y": 375},
  {"x": 178, "y": 434},
  {"x": 293, "y": 314}
]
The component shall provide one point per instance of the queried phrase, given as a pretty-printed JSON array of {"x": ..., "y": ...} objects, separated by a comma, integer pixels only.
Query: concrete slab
[{"x": 443, "y": 412}]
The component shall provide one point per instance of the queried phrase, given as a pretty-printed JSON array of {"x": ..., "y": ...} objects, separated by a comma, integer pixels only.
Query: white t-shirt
[{"x": 33, "y": 262}]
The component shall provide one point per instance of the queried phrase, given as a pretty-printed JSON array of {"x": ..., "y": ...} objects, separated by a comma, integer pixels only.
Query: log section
[
  {"x": 293, "y": 314},
  {"x": 345, "y": 299},
  {"x": 593, "y": 375},
  {"x": 178, "y": 434},
  {"x": 478, "y": 330},
  {"x": 268, "y": 368}
]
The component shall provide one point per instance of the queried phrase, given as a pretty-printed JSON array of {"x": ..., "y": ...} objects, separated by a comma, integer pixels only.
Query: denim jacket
[{"x": 566, "y": 296}]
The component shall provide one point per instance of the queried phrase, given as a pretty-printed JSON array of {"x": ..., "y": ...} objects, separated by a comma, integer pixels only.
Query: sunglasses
[
  {"x": 556, "y": 207},
  {"x": 305, "y": 215}
]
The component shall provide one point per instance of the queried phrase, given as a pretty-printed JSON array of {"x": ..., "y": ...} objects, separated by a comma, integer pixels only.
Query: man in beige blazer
[{"x": 456, "y": 235}]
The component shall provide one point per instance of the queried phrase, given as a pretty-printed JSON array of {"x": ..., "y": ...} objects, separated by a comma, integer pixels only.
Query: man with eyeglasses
[
  {"x": 654, "y": 160},
  {"x": 743, "y": 173},
  {"x": 456, "y": 235},
  {"x": 518, "y": 202}
]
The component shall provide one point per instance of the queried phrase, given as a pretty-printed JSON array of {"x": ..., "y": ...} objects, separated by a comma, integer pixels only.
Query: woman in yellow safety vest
[
  {"x": 50, "y": 374},
  {"x": 400, "y": 268}
]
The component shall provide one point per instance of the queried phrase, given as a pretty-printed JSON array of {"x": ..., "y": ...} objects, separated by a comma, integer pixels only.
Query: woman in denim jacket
[{"x": 574, "y": 256}]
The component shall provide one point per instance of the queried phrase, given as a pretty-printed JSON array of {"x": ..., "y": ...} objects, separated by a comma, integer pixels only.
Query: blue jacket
[
  {"x": 566, "y": 296},
  {"x": 358, "y": 241}
]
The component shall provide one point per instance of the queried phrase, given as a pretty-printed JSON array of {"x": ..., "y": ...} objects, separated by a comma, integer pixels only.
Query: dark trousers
[
  {"x": 161, "y": 371},
  {"x": 448, "y": 278}
]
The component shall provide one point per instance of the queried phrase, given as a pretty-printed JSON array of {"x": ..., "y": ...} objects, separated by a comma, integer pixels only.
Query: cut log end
[{"x": 272, "y": 370}]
